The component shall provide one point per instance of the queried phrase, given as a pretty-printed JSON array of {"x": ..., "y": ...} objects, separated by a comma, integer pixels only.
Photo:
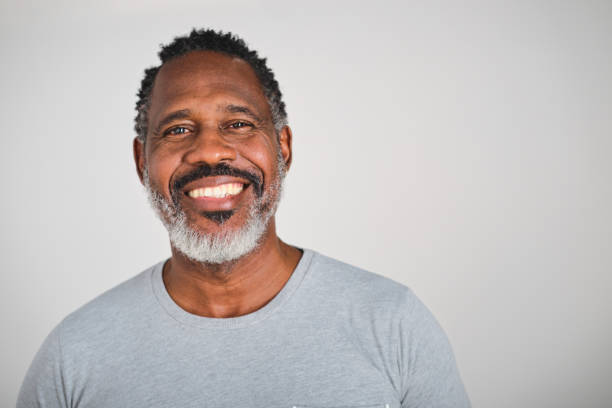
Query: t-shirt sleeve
[
  {"x": 43, "y": 385},
  {"x": 430, "y": 378}
]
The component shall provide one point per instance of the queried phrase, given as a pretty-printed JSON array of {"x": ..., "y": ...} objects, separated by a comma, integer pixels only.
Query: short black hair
[{"x": 218, "y": 41}]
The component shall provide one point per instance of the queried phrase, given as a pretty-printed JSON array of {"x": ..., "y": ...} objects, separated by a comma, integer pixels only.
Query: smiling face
[{"x": 212, "y": 161}]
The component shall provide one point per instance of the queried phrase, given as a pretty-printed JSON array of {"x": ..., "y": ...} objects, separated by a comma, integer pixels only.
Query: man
[{"x": 236, "y": 317}]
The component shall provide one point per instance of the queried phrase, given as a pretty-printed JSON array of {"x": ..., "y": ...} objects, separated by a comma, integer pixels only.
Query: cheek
[
  {"x": 262, "y": 154},
  {"x": 161, "y": 167}
]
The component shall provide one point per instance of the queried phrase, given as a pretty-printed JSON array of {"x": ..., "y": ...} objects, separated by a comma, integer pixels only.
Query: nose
[{"x": 209, "y": 147}]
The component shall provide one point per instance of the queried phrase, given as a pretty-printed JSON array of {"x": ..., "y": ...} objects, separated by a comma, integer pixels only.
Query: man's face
[{"x": 212, "y": 161}]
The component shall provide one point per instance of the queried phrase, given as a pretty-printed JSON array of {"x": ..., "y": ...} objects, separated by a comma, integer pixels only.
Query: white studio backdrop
[{"x": 461, "y": 148}]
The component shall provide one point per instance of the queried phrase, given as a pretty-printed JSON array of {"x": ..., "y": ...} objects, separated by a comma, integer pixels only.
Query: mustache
[{"x": 221, "y": 169}]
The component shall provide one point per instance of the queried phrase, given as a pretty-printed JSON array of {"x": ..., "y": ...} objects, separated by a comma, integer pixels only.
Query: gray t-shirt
[{"x": 334, "y": 336}]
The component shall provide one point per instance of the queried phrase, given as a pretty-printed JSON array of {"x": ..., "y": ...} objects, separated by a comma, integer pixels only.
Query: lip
[{"x": 214, "y": 203}]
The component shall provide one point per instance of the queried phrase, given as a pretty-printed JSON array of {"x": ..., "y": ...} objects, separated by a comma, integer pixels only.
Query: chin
[{"x": 216, "y": 247}]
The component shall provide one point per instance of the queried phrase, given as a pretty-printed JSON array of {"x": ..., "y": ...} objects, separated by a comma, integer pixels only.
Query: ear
[
  {"x": 139, "y": 158},
  {"x": 285, "y": 138}
]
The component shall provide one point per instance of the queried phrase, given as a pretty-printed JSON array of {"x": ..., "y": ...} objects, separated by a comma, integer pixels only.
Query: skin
[{"x": 201, "y": 85}]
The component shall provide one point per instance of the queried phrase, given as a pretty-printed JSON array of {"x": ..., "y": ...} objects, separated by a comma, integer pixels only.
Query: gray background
[{"x": 462, "y": 148}]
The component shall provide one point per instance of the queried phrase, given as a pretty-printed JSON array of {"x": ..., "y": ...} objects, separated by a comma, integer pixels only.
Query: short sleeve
[
  {"x": 430, "y": 378},
  {"x": 43, "y": 386}
]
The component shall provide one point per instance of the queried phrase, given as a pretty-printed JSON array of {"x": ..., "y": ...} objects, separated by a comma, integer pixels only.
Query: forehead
[{"x": 205, "y": 74}]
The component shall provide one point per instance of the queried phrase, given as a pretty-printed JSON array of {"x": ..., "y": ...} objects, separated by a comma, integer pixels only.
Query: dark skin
[{"x": 207, "y": 107}]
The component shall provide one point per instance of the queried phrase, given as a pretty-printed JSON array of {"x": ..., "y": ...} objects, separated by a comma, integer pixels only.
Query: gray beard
[{"x": 227, "y": 245}]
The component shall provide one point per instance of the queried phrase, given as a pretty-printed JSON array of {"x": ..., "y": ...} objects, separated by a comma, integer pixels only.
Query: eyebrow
[
  {"x": 172, "y": 116},
  {"x": 240, "y": 109}
]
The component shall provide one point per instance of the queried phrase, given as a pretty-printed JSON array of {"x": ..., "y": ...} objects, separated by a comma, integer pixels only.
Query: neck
[{"x": 234, "y": 288}]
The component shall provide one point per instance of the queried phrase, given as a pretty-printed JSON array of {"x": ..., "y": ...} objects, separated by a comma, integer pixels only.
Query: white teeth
[{"x": 220, "y": 191}]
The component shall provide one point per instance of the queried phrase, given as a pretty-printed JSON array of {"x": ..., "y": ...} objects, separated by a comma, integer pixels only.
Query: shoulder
[
  {"x": 358, "y": 288},
  {"x": 366, "y": 303},
  {"x": 373, "y": 305},
  {"x": 105, "y": 319},
  {"x": 377, "y": 300},
  {"x": 386, "y": 316},
  {"x": 112, "y": 304},
  {"x": 83, "y": 340}
]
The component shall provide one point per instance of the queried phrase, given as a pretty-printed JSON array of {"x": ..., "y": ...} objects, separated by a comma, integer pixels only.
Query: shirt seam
[{"x": 61, "y": 362}]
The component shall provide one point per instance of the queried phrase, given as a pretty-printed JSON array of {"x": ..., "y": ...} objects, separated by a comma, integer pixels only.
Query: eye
[
  {"x": 239, "y": 124},
  {"x": 176, "y": 131}
]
